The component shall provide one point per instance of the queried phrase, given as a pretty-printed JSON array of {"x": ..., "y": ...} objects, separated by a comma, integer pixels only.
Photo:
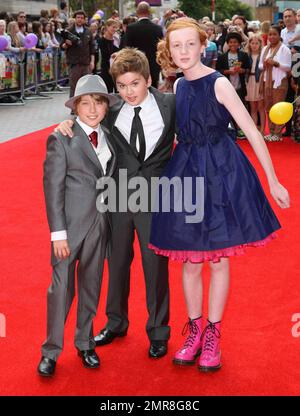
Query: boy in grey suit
[{"x": 79, "y": 232}]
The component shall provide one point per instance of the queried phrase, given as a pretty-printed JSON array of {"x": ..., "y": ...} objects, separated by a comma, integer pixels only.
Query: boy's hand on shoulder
[
  {"x": 61, "y": 249},
  {"x": 65, "y": 128}
]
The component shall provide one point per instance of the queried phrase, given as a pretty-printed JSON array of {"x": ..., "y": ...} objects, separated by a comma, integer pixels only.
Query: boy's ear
[{"x": 149, "y": 81}]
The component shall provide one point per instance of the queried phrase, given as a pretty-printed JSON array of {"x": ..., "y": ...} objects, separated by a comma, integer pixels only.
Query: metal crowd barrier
[{"x": 26, "y": 74}]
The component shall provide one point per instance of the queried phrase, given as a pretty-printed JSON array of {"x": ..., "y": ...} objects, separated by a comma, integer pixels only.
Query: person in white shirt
[
  {"x": 275, "y": 62},
  {"x": 290, "y": 35}
]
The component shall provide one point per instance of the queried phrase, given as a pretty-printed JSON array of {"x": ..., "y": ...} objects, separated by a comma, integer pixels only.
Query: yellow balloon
[
  {"x": 96, "y": 17},
  {"x": 281, "y": 113}
]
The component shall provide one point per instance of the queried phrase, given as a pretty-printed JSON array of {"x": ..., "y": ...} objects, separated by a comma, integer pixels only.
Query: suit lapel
[
  {"x": 84, "y": 143},
  {"x": 111, "y": 167},
  {"x": 110, "y": 121},
  {"x": 112, "y": 115},
  {"x": 165, "y": 113}
]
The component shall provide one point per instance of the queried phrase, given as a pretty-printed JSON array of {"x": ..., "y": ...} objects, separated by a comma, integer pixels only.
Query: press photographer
[{"x": 79, "y": 46}]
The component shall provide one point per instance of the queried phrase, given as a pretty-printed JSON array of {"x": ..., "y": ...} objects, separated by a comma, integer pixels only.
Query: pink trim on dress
[{"x": 212, "y": 255}]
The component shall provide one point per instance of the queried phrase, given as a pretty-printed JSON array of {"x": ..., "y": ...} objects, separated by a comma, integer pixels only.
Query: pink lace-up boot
[
  {"x": 210, "y": 359},
  {"x": 192, "y": 347}
]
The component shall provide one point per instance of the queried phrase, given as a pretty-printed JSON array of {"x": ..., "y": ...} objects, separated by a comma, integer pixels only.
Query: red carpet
[{"x": 260, "y": 355}]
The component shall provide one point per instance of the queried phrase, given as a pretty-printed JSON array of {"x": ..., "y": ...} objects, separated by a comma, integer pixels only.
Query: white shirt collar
[
  {"x": 87, "y": 129},
  {"x": 145, "y": 104},
  {"x": 79, "y": 29},
  {"x": 290, "y": 30}
]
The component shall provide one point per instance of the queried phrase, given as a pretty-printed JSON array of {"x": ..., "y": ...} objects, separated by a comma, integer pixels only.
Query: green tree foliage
[
  {"x": 91, "y": 6},
  {"x": 224, "y": 9}
]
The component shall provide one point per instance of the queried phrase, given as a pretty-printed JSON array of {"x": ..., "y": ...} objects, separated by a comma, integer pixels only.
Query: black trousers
[{"x": 155, "y": 273}]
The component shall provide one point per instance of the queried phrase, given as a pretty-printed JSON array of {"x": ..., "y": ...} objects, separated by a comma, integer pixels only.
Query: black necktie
[{"x": 137, "y": 130}]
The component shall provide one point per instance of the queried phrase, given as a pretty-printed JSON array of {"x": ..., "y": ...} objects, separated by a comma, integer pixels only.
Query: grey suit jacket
[{"x": 71, "y": 171}]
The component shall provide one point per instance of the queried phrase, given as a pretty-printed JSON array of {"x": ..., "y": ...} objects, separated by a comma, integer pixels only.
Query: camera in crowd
[
  {"x": 234, "y": 28},
  {"x": 67, "y": 35}
]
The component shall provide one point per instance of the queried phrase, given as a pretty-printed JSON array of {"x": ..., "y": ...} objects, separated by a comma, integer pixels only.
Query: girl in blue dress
[{"x": 236, "y": 211}]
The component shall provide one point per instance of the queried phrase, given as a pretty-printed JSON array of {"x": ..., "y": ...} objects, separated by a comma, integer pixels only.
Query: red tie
[{"x": 94, "y": 138}]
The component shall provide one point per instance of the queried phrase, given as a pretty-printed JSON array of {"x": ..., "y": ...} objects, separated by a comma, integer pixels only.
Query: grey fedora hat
[{"x": 91, "y": 84}]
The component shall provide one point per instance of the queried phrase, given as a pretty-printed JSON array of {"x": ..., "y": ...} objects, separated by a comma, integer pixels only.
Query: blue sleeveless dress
[{"x": 236, "y": 210}]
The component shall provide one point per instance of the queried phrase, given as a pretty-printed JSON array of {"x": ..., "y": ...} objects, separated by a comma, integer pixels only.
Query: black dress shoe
[
  {"x": 46, "y": 367},
  {"x": 89, "y": 358},
  {"x": 106, "y": 336},
  {"x": 158, "y": 349}
]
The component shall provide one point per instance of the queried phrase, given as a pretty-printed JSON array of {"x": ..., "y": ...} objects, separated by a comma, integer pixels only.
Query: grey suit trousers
[{"x": 90, "y": 256}]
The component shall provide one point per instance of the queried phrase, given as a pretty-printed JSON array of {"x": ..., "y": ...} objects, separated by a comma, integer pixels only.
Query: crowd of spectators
[{"x": 256, "y": 57}]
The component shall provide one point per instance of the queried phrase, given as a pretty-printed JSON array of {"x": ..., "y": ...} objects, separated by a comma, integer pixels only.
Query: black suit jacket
[
  {"x": 222, "y": 64},
  {"x": 145, "y": 35},
  {"x": 128, "y": 159}
]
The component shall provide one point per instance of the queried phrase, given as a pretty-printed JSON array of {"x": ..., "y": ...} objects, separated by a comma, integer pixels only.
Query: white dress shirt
[
  {"x": 79, "y": 29},
  {"x": 103, "y": 153},
  {"x": 284, "y": 57},
  {"x": 151, "y": 118},
  {"x": 286, "y": 35}
]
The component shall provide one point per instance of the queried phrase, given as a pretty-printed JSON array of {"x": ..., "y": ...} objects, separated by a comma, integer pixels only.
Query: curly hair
[{"x": 163, "y": 55}]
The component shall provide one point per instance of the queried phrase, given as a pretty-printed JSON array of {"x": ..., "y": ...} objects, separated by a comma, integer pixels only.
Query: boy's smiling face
[
  {"x": 91, "y": 111},
  {"x": 233, "y": 45},
  {"x": 133, "y": 87}
]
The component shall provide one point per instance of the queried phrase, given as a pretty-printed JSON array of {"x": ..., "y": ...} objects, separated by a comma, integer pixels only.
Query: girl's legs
[
  {"x": 268, "y": 102},
  {"x": 271, "y": 97},
  {"x": 279, "y": 94},
  {"x": 218, "y": 291},
  {"x": 193, "y": 291},
  {"x": 253, "y": 110},
  {"x": 262, "y": 115},
  {"x": 210, "y": 359},
  {"x": 193, "y": 288}
]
